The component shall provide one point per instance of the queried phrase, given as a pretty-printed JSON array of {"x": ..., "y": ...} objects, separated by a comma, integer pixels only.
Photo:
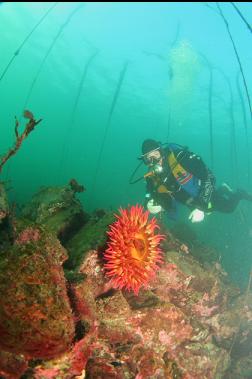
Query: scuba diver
[{"x": 177, "y": 175}]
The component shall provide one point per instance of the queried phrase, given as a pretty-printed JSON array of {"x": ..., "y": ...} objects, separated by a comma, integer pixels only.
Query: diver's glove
[
  {"x": 196, "y": 215},
  {"x": 154, "y": 209}
]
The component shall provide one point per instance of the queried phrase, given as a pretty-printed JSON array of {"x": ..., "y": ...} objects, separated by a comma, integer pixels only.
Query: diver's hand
[
  {"x": 154, "y": 209},
  {"x": 196, "y": 215}
]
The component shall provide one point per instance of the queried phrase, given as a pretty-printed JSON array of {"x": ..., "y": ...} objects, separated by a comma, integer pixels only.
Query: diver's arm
[
  {"x": 149, "y": 202},
  {"x": 162, "y": 201},
  {"x": 149, "y": 191}
]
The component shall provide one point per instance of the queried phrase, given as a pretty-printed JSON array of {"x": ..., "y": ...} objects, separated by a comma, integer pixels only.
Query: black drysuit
[{"x": 165, "y": 189}]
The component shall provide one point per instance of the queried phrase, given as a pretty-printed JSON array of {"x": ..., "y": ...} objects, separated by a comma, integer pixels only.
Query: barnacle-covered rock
[
  {"x": 35, "y": 315},
  {"x": 58, "y": 209},
  {"x": 12, "y": 366},
  {"x": 4, "y": 207}
]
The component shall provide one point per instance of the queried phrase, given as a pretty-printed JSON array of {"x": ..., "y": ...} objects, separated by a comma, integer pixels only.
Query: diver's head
[{"x": 151, "y": 152}]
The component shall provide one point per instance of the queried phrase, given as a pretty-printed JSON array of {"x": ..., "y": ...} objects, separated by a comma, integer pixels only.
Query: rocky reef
[{"x": 60, "y": 317}]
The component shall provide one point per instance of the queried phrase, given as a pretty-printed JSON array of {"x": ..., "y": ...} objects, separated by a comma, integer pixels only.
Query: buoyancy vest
[{"x": 183, "y": 178}]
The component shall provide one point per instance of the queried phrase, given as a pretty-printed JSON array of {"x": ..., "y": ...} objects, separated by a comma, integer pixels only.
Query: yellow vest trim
[
  {"x": 180, "y": 174},
  {"x": 176, "y": 168}
]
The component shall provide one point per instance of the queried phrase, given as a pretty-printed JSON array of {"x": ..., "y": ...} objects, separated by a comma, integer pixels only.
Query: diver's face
[{"x": 153, "y": 157}]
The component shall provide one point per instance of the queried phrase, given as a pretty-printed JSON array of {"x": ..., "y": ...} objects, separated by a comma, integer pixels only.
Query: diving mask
[{"x": 152, "y": 157}]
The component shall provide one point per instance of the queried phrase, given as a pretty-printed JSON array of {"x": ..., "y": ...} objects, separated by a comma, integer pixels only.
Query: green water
[{"x": 160, "y": 47}]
